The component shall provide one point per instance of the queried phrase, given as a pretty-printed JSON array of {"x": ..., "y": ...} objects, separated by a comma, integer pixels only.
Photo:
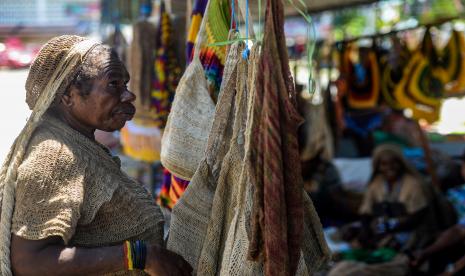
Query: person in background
[
  {"x": 323, "y": 183},
  {"x": 395, "y": 207},
  {"x": 447, "y": 254}
]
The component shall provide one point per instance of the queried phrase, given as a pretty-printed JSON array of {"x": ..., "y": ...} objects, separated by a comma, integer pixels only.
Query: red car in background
[{"x": 14, "y": 54}]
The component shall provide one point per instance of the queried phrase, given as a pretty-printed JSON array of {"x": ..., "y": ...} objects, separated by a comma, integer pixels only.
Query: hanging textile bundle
[
  {"x": 422, "y": 84},
  {"x": 450, "y": 58},
  {"x": 191, "y": 117},
  {"x": 211, "y": 223},
  {"x": 171, "y": 190},
  {"x": 165, "y": 198},
  {"x": 212, "y": 56},
  {"x": 141, "y": 63},
  {"x": 453, "y": 61},
  {"x": 213, "y": 67},
  {"x": 360, "y": 68},
  {"x": 279, "y": 202},
  {"x": 196, "y": 20},
  {"x": 166, "y": 72},
  {"x": 118, "y": 42},
  {"x": 392, "y": 64},
  {"x": 191, "y": 215},
  {"x": 316, "y": 130},
  {"x": 141, "y": 137}
]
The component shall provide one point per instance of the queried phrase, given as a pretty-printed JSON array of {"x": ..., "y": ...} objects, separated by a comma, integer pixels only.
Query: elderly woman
[
  {"x": 395, "y": 206},
  {"x": 67, "y": 208},
  {"x": 396, "y": 214}
]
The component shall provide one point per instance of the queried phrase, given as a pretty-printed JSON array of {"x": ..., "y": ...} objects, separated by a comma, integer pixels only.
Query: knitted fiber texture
[
  {"x": 44, "y": 67},
  {"x": 71, "y": 187},
  {"x": 211, "y": 223},
  {"x": 185, "y": 137},
  {"x": 190, "y": 216},
  {"x": 226, "y": 195},
  {"x": 64, "y": 54},
  {"x": 279, "y": 207}
]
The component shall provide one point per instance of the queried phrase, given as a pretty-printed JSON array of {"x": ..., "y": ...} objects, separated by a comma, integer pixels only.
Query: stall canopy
[
  {"x": 314, "y": 6},
  {"x": 323, "y": 5}
]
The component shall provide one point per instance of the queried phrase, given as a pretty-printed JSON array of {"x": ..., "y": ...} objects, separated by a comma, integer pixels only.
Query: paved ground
[{"x": 13, "y": 108}]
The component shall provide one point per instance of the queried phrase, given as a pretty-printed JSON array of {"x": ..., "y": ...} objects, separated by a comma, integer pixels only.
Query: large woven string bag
[
  {"x": 284, "y": 222},
  {"x": 50, "y": 74},
  {"x": 224, "y": 250},
  {"x": 189, "y": 123},
  {"x": 318, "y": 137},
  {"x": 190, "y": 215}
]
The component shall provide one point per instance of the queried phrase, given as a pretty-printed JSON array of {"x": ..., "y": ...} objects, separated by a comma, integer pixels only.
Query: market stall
[{"x": 361, "y": 82}]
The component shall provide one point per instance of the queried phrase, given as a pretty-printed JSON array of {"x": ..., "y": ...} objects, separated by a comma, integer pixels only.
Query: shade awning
[
  {"x": 322, "y": 5},
  {"x": 179, "y": 7}
]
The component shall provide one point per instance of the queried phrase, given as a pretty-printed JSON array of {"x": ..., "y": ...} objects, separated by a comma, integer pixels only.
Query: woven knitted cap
[{"x": 44, "y": 65}]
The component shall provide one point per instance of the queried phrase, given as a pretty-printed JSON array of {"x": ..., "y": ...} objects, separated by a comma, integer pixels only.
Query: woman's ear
[{"x": 68, "y": 99}]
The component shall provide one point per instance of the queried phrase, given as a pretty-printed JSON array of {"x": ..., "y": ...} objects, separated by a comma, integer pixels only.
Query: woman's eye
[{"x": 113, "y": 84}]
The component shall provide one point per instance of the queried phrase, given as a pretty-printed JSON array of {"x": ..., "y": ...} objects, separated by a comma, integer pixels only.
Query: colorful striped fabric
[
  {"x": 196, "y": 20},
  {"x": 167, "y": 71},
  {"x": 213, "y": 59},
  {"x": 171, "y": 190}
]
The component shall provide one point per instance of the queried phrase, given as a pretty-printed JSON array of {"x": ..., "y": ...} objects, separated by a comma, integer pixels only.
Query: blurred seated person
[
  {"x": 323, "y": 183},
  {"x": 449, "y": 247},
  {"x": 395, "y": 206},
  {"x": 446, "y": 255}
]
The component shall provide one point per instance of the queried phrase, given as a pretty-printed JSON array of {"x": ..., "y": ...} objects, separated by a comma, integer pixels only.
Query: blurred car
[{"x": 14, "y": 54}]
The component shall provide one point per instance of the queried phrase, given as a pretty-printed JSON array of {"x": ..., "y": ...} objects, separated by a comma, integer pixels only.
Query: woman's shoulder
[
  {"x": 48, "y": 150},
  {"x": 376, "y": 183},
  {"x": 412, "y": 181},
  {"x": 45, "y": 137}
]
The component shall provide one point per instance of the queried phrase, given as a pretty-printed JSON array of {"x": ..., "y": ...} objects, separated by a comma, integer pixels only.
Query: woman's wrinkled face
[
  {"x": 389, "y": 167},
  {"x": 109, "y": 104}
]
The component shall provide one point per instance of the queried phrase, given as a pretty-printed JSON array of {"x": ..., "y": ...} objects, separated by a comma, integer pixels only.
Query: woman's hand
[
  {"x": 161, "y": 262},
  {"x": 418, "y": 258}
]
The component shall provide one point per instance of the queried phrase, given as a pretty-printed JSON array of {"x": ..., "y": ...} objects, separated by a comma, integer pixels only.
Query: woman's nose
[{"x": 128, "y": 96}]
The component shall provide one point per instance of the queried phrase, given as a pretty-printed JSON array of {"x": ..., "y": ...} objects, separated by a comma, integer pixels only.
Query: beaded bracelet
[{"x": 135, "y": 255}]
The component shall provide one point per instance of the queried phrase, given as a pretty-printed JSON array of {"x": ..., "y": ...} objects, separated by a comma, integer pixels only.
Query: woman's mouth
[{"x": 127, "y": 113}]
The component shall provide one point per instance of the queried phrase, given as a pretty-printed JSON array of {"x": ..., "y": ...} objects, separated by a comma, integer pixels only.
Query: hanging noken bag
[
  {"x": 362, "y": 77},
  {"x": 189, "y": 123},
  {"x": 422, "y": 85},
  {"x": 190, "y": 216},
  {"x": 453, "y": 62}
]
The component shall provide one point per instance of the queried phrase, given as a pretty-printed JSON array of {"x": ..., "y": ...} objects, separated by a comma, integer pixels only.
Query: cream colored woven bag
[
  {"x": 191, "y": 117},
  {"x": 224, "y": 250},
  {"x": 190, "y": 216}
]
